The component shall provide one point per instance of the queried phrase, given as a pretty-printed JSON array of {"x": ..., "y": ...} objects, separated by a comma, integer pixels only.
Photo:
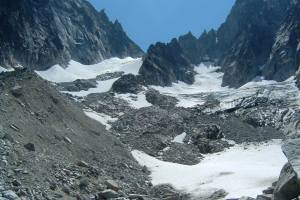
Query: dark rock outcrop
[
  {"x": 165, "y": 64},
  {"x": 128, "y": 83},
  {"x": 287, "y": 186},
  {"x": 163, "y": 101},
  {"x": 41, "y": 33},
  {"x": 78, "y": 85}
]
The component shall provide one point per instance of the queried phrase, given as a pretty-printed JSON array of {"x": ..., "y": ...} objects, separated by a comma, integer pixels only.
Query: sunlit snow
[
  {"x": 77, "y": 70},
  {"x": 5, "y": 70},
  {"x": 241, "y": 170},
  {"x": 208, "y": 84},
  {"x": 101, "y": 117},
  {"x": 135, "y": 100},
  {"x": 179, "y": 138}
]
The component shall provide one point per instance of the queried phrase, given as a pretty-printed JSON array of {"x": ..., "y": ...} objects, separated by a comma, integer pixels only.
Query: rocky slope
[
  {"x": 51, "y": 150},
  {"x": 39, "y": 34}
]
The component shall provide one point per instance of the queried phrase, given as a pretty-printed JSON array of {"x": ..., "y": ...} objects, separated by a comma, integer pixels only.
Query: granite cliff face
[
  {"x": 41, "y": 33},
  {"x": 258, "y": 38}
]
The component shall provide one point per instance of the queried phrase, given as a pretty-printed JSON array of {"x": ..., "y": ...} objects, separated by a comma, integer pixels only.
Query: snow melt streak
[{"x": 241, "y": 170}]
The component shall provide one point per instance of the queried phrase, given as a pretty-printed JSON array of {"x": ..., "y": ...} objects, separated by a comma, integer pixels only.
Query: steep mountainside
[
  {"x": 251, "y": 42},
  {"x": 41, "y": 33},
  {"x": 48, "y": 142}
]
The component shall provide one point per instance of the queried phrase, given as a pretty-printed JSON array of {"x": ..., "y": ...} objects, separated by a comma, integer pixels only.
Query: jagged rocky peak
[
  {"x": 200, "y": 49},
  {"x": 165, "y": 64},
  {"x": 189, "y": 44},
  {"x": 41, "y": 33}
]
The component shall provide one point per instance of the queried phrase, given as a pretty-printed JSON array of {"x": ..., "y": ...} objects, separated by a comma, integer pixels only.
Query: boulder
[
  {"x": 163, "y": 101},
  {"x": 108, "y": 194},
  {"x": 287, "y": 187},
  {"x": 291, "y": 149},
  {"x": 264, "y": 197},
  {"x": 17, "y": 91},
  {"x": 29, "y": 147},
  {"x": 10, "y": 195},
  {"x": 127, "y": 84},
  {"x": 111, "y": 184}
]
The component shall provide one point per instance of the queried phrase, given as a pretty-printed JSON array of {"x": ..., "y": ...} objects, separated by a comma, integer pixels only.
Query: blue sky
[{"x": 150, "y": 21}]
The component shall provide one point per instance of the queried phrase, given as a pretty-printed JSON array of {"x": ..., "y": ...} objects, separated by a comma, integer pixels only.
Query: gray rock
[
  {"x": 113, "y": 185},
  {"x": 82, "y": 163},
  {"x": 163, "y": 101},
  {"x": 264, "y": 197},
  {"x": 246, "y": 198},
  {"x": 8, "y": 137},
  {"x": 219, "y": 194},
  {"x": 269, "y": 190},
  {"x": 9, "y": 194},
  {"x": 128, "y": 83},
  {"x": 78, "y": 85},
  {"x": 108, "y": 194},
  {"x": 29, "y": 147},
  {"x": 168, "y": 192},
  {"x": 17, "y": 91},
  {"x": 287, "y": 187},
  {"x": 291, "y": 149}
]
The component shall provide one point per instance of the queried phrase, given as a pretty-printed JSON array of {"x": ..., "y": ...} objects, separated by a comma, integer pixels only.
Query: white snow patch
[
  {"x": 135, "y": 100},
  {"x": 179, "y": 138},
  {"x": 243, "y": 170},
  {"x": 101, "y": 117},
  {"x": 76, "y": 70},
  {"x": 6, "y": 70}
]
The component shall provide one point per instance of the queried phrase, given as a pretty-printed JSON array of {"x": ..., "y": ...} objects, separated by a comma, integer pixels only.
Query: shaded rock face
[
  {"x": 166, "y": 63},
  {"x": 246, "y": 38},
  {"x": 285, "y": 57},
  {"x": 41, "y": 33}
]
